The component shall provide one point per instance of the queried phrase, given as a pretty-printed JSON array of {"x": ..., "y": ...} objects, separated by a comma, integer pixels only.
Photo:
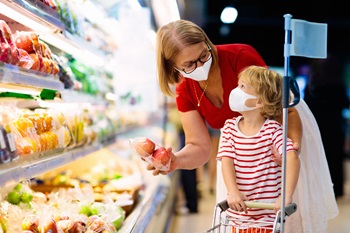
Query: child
[{"x": 248, "y": 166}]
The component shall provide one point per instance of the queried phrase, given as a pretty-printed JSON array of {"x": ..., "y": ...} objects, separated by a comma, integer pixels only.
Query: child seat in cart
[{"x": 223, "y": 223}]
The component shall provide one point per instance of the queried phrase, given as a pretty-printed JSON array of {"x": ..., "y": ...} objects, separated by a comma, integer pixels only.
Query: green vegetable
[
  {"x": 14, "y": 197},
  {"x": 26, "y": 197}
]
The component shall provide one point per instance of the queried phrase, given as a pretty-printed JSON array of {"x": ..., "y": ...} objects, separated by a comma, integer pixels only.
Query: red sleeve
[
  {"x": 183, "y": 96},
  {"x": 246, "y": 55}
]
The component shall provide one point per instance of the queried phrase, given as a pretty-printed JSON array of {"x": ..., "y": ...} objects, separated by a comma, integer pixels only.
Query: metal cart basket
[{"x": 223, "y": 223}]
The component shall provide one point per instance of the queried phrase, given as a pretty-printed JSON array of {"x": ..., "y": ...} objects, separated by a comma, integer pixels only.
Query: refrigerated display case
[{"x": 153, "y": 209}]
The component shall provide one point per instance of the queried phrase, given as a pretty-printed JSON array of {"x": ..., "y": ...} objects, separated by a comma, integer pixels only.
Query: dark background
[
  {"x": 326, "y": 82},
  {"x": 261, "y": 24}
]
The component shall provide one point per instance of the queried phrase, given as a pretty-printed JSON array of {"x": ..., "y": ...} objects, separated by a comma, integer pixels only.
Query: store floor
[{"x": 201, "y": 222}]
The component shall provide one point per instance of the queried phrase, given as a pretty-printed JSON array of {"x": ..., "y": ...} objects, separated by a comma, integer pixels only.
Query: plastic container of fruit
[{"x": 152, "y": 153}]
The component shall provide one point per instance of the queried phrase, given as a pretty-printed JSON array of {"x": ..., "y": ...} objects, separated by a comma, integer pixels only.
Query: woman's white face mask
[
  {"x": 237, "y": 100},
  {"x": 200, "y": 73}
]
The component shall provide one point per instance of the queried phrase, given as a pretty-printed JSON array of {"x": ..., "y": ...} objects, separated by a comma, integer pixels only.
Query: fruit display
[
  {"x": 8, "y": 51},
  {"x": 25, "y": 210},
  {"x": 38, "y": 51},
  {"x": 103, "y": 176},
  {"x": 41, "y": 135},
  {"x": 26, "y": 50},
  {"x": 150, "y": 152},
  {"x": 34, "y": 132},
  {"x": 8, "y": 150}
]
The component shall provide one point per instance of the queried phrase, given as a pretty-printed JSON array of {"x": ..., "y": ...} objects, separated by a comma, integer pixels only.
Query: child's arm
[
  {"x": 235, "y": 198},
  {"x": 292, "y": 175}
]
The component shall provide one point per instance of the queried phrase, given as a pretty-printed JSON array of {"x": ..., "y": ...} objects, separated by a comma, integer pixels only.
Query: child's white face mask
[{"x": 237, "y": 100}]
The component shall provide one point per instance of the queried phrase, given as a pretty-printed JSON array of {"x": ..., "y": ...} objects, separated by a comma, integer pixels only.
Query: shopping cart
[{"x": 223, "y": 223}]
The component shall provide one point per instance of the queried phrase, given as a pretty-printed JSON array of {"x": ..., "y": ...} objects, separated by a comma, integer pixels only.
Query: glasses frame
[{"x": 196, "y": 62}]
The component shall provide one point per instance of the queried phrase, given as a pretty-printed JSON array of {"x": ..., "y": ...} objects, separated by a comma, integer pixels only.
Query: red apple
[
  {"x": 50, "y": 226},
  {"x": 145, "y": 147},
  {"x": 5, "y": 53},
  {"x": 24, "y": 41},
  {"x": 161, "y": 158},
  {"x": 5, "y": 33}
]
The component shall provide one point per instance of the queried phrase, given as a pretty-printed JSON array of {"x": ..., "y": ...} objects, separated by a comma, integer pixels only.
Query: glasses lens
[
  {"x": 191, "y": 69},
  {"x": 203, "y": 60}
]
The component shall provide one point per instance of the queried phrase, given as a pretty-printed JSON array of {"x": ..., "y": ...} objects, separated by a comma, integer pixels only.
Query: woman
[{"x": 204, "y": 75}]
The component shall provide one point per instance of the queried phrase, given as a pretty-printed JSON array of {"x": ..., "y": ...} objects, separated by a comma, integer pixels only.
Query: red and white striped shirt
[{"x": 257, "y": 175}]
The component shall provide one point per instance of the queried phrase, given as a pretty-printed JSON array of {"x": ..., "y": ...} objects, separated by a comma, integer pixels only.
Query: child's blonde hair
[{"x": 268, "y": 87}]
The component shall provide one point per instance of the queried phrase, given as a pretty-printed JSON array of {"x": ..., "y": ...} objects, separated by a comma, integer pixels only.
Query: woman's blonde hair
[
  {"x": 171, "y": 39},
  {"x": 268, "y": 87}
]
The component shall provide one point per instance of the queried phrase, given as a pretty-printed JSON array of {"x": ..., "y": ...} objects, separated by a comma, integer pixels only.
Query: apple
[
  {"x": 24, "y": 59},
  {"x": 161, "y": 158},
  {"x": 5, "y": 33},
  {"x": 31, "y": 223},
  {"x": 5, "y": 53},
  {"x": 50, "y": 226},
  {"x": 25, "y": 42},
  {"x": 145, "y": 147},
  {"x": 36, "y": 61}
]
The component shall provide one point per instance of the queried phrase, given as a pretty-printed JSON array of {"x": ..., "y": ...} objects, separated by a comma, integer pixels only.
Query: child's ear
[{"x": 259, "y": 103}]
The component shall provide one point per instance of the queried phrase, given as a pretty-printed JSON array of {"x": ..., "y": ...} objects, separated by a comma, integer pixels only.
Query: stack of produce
[
  {"x": 26, "y": 211},
  {"x": 38, "y": 51},
  {"x": 9, "y": 53}
]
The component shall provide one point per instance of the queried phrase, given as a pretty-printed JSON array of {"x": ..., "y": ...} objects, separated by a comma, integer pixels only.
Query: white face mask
[
  {"x": 237, "y": 100},
  {"x": 200, "y": 73}
]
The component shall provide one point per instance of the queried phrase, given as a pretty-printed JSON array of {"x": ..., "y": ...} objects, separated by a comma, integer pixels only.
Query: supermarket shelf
[
  {"x": 70, "y": 96},
  {"x": 85, "y": 45},
  {"x": 26, "y": 167},
  {"x": 33, "y": 10},
  {"x": 16, "y": 77}
]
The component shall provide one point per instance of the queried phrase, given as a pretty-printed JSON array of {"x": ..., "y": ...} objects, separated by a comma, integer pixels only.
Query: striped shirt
[{"x": 257, "y": 175}]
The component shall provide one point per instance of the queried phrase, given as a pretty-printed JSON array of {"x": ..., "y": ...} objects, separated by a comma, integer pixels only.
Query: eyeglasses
[{"x": 193, "y": 65}]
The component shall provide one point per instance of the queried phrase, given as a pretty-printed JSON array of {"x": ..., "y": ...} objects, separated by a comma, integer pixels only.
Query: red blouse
[{"x": 232, "y": 59}]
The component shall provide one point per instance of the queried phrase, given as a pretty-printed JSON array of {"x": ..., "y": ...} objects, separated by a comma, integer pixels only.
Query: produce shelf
[
  {"x": 28, "y": 166},
  {"x": 19, "y": 78},
  {"x": 34, "y": 10}
]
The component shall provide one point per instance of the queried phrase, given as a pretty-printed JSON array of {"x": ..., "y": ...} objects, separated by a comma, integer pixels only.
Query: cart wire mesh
[{"x": 223, "y": 223}]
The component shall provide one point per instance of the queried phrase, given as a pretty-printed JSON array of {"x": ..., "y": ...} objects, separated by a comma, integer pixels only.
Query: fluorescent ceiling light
[
  {"x": 111, "y": 96},
  {"x": 229, "y": 15}
]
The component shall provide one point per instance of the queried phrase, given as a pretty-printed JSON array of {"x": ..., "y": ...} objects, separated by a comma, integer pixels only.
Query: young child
[{"x": 248, "y": 166}]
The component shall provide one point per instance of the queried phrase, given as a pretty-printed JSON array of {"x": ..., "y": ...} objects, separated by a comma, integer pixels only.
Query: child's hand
[{"x": 236, "y": 201}]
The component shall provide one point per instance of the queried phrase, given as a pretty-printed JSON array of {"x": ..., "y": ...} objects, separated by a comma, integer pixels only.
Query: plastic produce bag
[{"x": 152, "y": 153}]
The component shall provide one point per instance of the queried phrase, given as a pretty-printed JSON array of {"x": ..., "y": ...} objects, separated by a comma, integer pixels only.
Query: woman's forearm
[
  {"x": 295, "y": 127},
  {"x": 192, "y": 156}
]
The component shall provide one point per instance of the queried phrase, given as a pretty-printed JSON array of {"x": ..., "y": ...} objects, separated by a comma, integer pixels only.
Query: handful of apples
[{"x": 156, "y": 155}]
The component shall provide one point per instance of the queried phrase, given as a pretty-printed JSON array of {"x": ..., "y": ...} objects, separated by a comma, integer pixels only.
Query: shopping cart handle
[{"x": 289, "y": 209}]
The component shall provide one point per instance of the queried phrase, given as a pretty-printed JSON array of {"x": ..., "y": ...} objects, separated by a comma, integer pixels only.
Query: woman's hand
[
  {"x": 297, "y": 147},
  {"x": 236, "y": 201},
  {"x": 278, "y": 203},
  {"x": 276, "y": 156},
  {"x": 173, "y": 165}
]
